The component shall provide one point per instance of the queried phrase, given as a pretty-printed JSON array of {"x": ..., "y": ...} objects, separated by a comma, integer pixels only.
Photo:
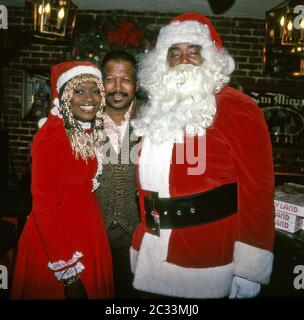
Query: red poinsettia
[{"x": 126, "y": 34}]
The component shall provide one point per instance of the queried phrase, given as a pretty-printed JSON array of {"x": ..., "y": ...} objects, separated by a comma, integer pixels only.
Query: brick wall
[
  {"x": 242, "y": 37},
  {"x": 31, "y": 55}
]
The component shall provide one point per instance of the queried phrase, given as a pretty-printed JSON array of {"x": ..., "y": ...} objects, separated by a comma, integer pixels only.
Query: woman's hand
[{"x": 74, "y": 289}]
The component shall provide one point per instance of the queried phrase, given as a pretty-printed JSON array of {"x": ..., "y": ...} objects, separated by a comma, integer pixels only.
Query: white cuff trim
[
  {"x": 252, "y": 263},
  {"x": 65, "y": 270},
  {"x": 70, "y": 272},
  {"x": 55, "y": 266}
]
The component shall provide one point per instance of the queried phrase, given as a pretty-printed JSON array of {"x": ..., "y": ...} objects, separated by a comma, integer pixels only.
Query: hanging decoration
[
  {"x": 53, "y": 19},
  {"x": 284, "y": 39}
]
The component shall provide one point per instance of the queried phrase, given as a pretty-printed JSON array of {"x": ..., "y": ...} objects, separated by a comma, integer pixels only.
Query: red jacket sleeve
[
  {"x": 50, "y": 160},
  {"x": 247, "y": 135}
]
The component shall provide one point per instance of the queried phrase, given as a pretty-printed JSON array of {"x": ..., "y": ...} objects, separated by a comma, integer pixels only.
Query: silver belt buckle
[{"x": 156, "y": 219}]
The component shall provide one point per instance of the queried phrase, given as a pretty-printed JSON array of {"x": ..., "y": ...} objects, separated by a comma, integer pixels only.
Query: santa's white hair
[{"x": 181, "y": 98}]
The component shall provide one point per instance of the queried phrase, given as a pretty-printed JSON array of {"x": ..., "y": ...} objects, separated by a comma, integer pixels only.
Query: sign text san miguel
[{"x": 284, "y": 114}]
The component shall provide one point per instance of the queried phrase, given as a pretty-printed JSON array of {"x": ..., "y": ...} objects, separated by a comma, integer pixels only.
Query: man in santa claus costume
[{"x": 205, "y": 173}]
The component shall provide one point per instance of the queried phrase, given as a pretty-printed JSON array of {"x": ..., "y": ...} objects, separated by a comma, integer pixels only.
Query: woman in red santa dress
[{"x": 63, "y": 251}]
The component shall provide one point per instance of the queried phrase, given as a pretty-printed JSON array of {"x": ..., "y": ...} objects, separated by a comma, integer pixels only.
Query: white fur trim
[
  {"x": 56, "y": 103},
  {"x": 252, "y": 263},
  {"x": 154, "y": 166},
  {"x": 154, "y": 274},
  {"x": 68, "y": 75},
  {"x": 184, "y": 32},
  {"x": 56, "y": 112},
  {"x": 133, "y": 258},
  {"x": 41, "y": 122}
]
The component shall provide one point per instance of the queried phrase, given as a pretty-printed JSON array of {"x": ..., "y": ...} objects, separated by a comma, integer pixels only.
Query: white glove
[{"x": 243, "y": 288}]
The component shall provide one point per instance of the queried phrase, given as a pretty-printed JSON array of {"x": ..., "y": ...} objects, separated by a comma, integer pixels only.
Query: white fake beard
[{"x": 183, "y": 99}]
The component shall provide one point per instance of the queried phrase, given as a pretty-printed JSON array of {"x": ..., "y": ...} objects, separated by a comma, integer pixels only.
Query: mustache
[{"x": 117, "y": 92}]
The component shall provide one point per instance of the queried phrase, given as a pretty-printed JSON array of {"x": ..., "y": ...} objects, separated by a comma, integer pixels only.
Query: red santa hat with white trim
[
  {"x": 191, "y": 28},
  {"x": 63, "y": 72}
]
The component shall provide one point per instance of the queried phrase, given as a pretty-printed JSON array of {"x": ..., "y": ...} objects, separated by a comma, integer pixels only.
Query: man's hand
[
  {"x": 243, "y": 288},
  {"x": 75, "y": 290}
]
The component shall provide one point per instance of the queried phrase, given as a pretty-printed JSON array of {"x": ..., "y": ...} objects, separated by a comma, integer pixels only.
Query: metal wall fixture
[{"x": 54, "y": 19}]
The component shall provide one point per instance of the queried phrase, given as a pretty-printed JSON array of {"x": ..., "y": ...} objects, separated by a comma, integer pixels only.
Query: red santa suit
[{"x": 201, "y": 261}]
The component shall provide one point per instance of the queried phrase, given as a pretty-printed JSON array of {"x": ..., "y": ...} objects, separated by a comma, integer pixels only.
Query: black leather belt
[{"x": 201, "y": 208}]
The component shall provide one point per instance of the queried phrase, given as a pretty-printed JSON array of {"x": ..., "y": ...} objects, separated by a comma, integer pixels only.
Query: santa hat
[
  {"x": 191, "y": 28},
  {"x": 63, "y": 72}
]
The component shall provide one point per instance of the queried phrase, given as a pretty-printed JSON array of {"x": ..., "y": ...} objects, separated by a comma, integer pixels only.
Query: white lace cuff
[
  {"x": 70, "y": 272},
  {"x": 65, "y": 270}
]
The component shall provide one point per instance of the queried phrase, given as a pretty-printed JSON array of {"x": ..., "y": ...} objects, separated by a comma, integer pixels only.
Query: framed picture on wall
[{"x": 36, "y": 94}]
